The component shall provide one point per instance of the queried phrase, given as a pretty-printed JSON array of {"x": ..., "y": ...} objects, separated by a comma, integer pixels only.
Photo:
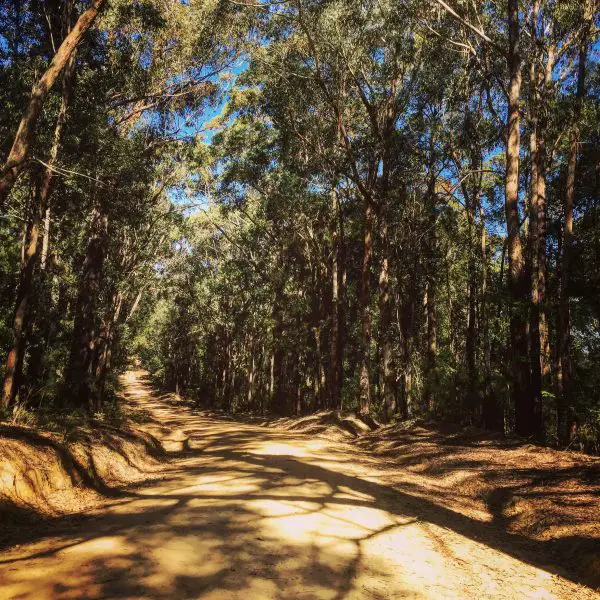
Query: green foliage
[{"x": 296, "y": 206}]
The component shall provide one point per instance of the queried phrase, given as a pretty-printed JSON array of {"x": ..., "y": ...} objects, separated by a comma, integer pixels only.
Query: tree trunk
[
  {"x": 527, "y": 416},
  {"x": 227, "y": 374},
  {"x": 473, "y": 200},
  {"x": 491, "y": 419},
  {"x": 430, "y": 383},
  {"x": 537, "y": 241},
  {"x": 297, "y": 391},
  {"x": 277, "y": 393},
  {"x": 134, "y": 306},
  {"x": 471, "y": 338},
  {"x": 251, "y": 375},
  {"x": 319, "y": 343},
  {"x": 67, "y": 87},
  {"x": 105, "y": 351},
  {"x": 79, "y": 375},
  {"x": 224, "y": 378},
  {"x": 365, "y": 309},
  {"x": 388, "y": 375},
  {"x": 24, "y": 137},
  {"x": 342, "y": 309},
  {"x": 335, "y": 357},
  {"x": 406, "y": 327},
  {"x": 14, "y": 360},
  {"x": 430, "y": 312},
  {"x": 564, "y": 363},
  {"x": 534, "y": 248},
  {"x": 319, "y": 371}
]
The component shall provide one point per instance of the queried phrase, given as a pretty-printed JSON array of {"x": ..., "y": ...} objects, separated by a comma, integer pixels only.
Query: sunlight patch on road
[
  {"x": 185, "y": 554},
  {"x": 150, "y": 504},
  {"x": 278, "y": 449},
  {"x": 230, "y": 487},
  {"x": 102, "y": 545}
]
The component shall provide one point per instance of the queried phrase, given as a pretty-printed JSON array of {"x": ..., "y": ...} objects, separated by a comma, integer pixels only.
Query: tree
[{"x": 19, "y": 152}]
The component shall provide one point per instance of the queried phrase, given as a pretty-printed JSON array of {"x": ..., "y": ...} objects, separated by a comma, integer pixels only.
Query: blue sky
[{"x": 200, "y": 126}]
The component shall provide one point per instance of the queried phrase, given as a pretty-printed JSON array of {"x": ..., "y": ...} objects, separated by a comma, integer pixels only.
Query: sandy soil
[
  {"x": 247, "y": 511},
  {"x": 548, "y": 497}
]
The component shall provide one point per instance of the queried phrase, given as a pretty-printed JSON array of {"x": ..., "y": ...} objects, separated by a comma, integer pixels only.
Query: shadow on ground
[{"x": 255, "y": 513}]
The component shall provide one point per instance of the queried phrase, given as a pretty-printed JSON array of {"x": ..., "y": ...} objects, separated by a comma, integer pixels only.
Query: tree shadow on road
[{"x": 214, "y": 524}]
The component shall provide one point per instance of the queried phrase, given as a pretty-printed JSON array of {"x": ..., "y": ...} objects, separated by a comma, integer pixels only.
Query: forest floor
[{"x": 253, "y": 510}]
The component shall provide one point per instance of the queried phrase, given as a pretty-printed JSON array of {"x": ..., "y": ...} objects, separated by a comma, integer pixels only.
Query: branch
[
  {"x": 472, "y": 27},
  {"x": 64, "y": 172}
]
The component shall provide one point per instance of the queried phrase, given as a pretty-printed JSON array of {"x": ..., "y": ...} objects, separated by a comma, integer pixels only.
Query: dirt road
[{"x": 248, "y": 512}]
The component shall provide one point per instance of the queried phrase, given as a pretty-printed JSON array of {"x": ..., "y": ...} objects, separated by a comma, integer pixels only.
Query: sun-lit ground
[{"x": 248, "y": 512}]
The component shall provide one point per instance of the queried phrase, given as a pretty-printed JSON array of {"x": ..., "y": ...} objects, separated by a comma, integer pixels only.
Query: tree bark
[
  {"x": 277, "y": 391},
  {"x": 471, "y": 338},
  {"x": 365, "y": 309},
  {"x": 490, "y": 415},
  {"x": 540, "y": 81},
  {"x": 430, "y": 297},
  {"x": 431, "y": 345},
  {"x": 251, "y": 375},
  {"x": 388, "y": 376},
  {"x": 406, "y": 328},
  {"x": 342, "y": 307},
  {"x": 67, "y": 88},
  {"x": 24, "y": 137},
  {"x": 335, "y": 353},
  {"x": 105, "y": 349},
  {"x": 14, "y": 360},
  {"x": 564, "y": 371},
  {"x": 79, "y": 379},
  {"x": 527, "y": 416},
  {"x": 472, "y": 195}
]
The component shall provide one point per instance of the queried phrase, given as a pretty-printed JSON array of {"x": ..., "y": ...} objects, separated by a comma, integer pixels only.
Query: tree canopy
[{"x": 387, "y": 207}]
